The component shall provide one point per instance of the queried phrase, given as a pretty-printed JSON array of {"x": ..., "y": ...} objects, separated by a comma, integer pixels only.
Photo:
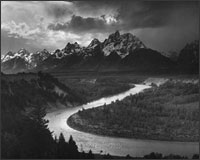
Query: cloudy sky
[{"x": 163, "y": 26}]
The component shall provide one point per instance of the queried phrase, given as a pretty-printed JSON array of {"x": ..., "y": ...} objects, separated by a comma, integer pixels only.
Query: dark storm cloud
[
  {"x": 129, "y": 14},
  {"x": 143, "y": 15},
  {"x": 95, "y": 6},
  {"x": 58, "y": 10},
  {"x": 152, "y": 14},
  {"x": 80, "y": 24}
]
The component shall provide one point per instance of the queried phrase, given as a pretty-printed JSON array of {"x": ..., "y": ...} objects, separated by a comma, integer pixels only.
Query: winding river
[{"x": 112, "y": 145}]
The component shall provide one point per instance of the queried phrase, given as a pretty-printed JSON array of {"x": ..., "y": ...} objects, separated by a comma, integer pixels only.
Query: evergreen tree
[
  {"x": 73, "y": 149},
  {"x": 195, "y": 156},
  {"x": 62, "y": 147},
  {"x": 83, "y": 155},
  {"x": 107, "y": 156},
  {"x": 38, "y": 115},
  {"x": 36, "y": 139},
  {"x": 128, "y": 157},
  {"x": 90, "y": 155}
]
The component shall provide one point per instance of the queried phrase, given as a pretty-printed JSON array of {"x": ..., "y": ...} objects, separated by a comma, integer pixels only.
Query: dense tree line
[
  {"x": 24, "y": 132},
  {"x": 102, "y": 87},
  {"x": 168, "y": 112},
  {"x": 25, "y": 93},
  {"x": 29, "y": 137}
]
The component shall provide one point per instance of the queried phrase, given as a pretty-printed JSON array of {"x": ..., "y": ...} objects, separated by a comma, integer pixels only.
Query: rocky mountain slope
[
  {"x": 117, "y": 52},
  {"x": 22, "y": 60}
]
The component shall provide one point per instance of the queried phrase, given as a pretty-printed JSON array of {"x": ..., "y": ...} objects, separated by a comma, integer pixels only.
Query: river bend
[{"x": 113, "y": 145}]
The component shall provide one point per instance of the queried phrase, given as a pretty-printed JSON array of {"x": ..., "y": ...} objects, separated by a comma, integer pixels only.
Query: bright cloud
[{"x": 20, "y": 30}]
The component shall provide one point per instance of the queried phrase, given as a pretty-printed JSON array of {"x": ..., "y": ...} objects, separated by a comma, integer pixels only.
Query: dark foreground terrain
[{"x": 25, "y": 98}]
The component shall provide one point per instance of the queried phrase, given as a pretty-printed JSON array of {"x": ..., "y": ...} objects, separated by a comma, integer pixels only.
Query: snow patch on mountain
[
  {"x": 30, "y": 59},
  {"x": 122, "y": 44}
]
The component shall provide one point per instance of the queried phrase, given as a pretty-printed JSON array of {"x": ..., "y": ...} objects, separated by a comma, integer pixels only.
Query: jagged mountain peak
[
  {"x": 130, "y": 37},
  {"x": 114, "y": 36},
  {"x": 122, "y": 44},
  {"x": 70, "y": 46},
  {"x": 76, "y": 43},
  {"x": 69, "y": 49},
  {"x": 43, "y": 54},
  {"x": 117, "y": 33},
  {"x": 115, "y": 48},
  {"x": 7, "y": 56},
  {"x": 45, "y": 50},
  {"x": 95, "y": 40},
  {"x": 94, "y": 43},
  {"x": 10, "y": 53},
  {"x": 23, "y": 51},
  {"x": 42, "y": 51}
]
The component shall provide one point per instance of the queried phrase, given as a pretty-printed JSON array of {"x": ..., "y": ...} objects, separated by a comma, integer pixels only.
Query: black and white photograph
[{"x": 108, "y": 79}]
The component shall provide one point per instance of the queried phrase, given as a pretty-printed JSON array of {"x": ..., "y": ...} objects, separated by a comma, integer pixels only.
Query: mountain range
[{"x": 117, "y": 52}]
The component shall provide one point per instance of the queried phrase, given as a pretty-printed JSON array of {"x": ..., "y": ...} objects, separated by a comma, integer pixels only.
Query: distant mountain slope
[
  {"x": 30, "y": 90},
  {"x": 188, "y": 59},
  {"x": 147, "y": 60},
  {"x": 14, "y": 65}
]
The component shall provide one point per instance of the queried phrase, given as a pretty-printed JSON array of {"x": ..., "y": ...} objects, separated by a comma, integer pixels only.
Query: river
[{"x": 112, "y": 145}]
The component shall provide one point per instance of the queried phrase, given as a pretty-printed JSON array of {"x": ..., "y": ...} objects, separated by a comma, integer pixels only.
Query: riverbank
[
  {"x": 166, "y": 113},
  {"x": 79, "y": 124},
  {"x": 93, "y": 88}
]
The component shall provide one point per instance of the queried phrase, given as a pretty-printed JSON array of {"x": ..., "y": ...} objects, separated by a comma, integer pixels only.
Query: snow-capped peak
[
  {"x": 31, "y": 59},
  {"x": 94, "y": 43},
  {"x": 122, "y": 44},
  {"x": 69, "y": 49},
  {"x": 43, "y": 54},
  {"x": 23, "y": 52},
  {"x": 114, "y": 36},
  {"x": 7, "y": 56},
  {"x": 59, "y": 53}
]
